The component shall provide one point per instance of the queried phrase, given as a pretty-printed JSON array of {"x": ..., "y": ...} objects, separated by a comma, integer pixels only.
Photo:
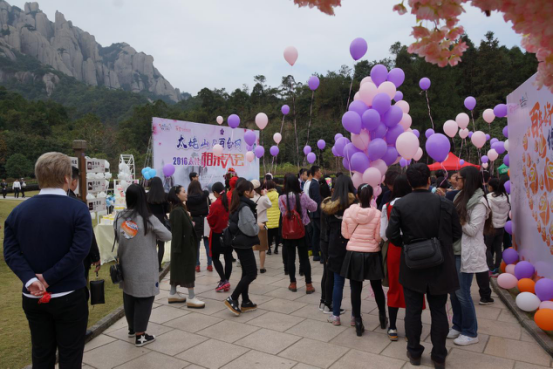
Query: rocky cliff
[{"x": 76, "y": 53}]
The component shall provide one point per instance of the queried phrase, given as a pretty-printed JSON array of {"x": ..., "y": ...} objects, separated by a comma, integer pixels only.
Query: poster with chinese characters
[
  {"x": 189, "y": 147},
  {"x": 531, "y": 159}
]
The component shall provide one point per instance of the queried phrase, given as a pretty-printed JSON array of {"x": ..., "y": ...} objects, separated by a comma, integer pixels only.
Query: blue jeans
[
  {"x": 464, "y": 314},
  {"x": 337, "y": 293},
  {"x": 206, "y": 245}
]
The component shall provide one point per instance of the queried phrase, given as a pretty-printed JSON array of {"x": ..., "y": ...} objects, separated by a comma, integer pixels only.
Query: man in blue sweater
[{"x": 46, "y": 239}]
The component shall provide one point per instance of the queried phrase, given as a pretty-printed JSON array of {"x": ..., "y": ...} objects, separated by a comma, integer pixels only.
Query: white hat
[{"x": 255, "y": 183}]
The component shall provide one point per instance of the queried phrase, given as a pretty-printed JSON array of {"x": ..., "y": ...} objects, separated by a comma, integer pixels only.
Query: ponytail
[{"x": 220, "y": 189}]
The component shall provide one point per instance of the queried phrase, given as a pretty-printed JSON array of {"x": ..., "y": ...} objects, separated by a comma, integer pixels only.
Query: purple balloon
[
  {"x": 398, "y": 96},
  {"x": 274, "y": 150},
  {"x": 285, "y": 109},
  {"x": 345, "y": 163},
  {"x": 429, "y": 132},
  {"x": 358, "y": 106},
  {"x": 507, "y": 185},
  {"x": 487, "y": 137},
  {"x": 311, "y": 157},
  {"x": 233, "y": 121},
  {"x": 510, "y": 256},
  {"x": 379, "y": 74},
  {"x": 341, "y": 145},
  {"x": 377, "y": 149},
  {"x": 493, "y": 140},
  {"x": 359, "y": 162},
  {"x": 313, "y": 83},
  {"x": 382, "y": 103},
  {"x": 544, "y": 289},
  {"x": 524, "y": 269},
  {"x": 506, "y": 160},
  {"x": 337, "y": 136},
  {"x": 249, "y": 147},
  {"x": 391, "y": 155},
  {"x": 349, "y": 150},
  {"x": 259, "y": 151},
  {"x": 417, "y": 133},
  {"x": 306, "y": 149},
  {"x": 358, "y": 48},
  {"x": 168, "y": 170},
  {"x": 393, "y": 134},
  {"x": 392, "y": 116},
  {"x": 506, "y": 131},
  {"x": 470, "y": 134},
  {"x": 500, "y": 110},
  {"x": 424, "y": 83},
  {"x": 352, "y": 122},
  {"x": 499, "y": 147},
  {"x": 461, "y": 162},
  {"x": 250, "y": 137},
  {"x": 396, "y": 76},
  {"x": 379, "y": 132},
  {"x": 370, "y": 119},
  {"x": 321, "y": 144},
  {"x": 470, "y": 103},
  {"x": 509, "y": 227},
  {"x": 438, "y": 146},
  {"x": 484, "y": 159},
  {"x": 403, "y": 162}
]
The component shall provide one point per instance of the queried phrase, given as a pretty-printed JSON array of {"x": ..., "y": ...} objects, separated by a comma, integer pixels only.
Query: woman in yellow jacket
[{"x": 273, "y": 214}]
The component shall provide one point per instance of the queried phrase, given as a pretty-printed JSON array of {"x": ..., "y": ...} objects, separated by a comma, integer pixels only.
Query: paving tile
[
  {"x": 175, "y": 342},
  {"x": 311, "y": 312},
  {"x": 193, "y": 322},
  {"x": 212, "y": 354},
  {"x": 113, "y": 354},
  {"x": 362, "y": 360},
  {"x": 153, "y": 328},
  {"x": 228, "y": 331},
  {"x": 507, "y": 316},
  {"x": 260, "y": 299},
  {"x": 285, "y": 282},
  {"x": 165, "y": 313},
  {"x": 493, "y": 328},
  {"x": 316, "y": 330},
  {"x": 101, "y": 340},
  {"x": 117, "y": 325},
  {"x": 521, "y": 365},
  {"x": 370, "y": 341},
  {"x": 263, "y": 279},
  {"x": 479, "y": 347},
  {"x": 211, "y": 307},
  {"x": 487, "y": 311},
  {"x": 525, "y": 336},
  {"x": 462, "y": 359},
  {"x": 261, "y": 360},
  {"x": 155, "y": 360},
  {"x": 312, "y": 299},
  {"x": 209, "y": 280},
  {"x": 316, "y": 353},
  {"x": 398, "y": 350},
  {"x": 305, "y": 366},
  {"x": 268, "y": 341},
  {"x": 261, "y": 289},
  {"x": 214, "y": 295},
  {"x": 285, "y": 293},
  {"x": 276, "y": 321},
  {"x": 517, "y": 350},
  {"x": 400, "y": 324},
  {"x": 282, "y": 306},
  {"x": 243, "y": 318}
]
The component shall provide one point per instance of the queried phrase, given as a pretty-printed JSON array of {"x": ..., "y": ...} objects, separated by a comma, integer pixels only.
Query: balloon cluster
[
  {"x": 148, "y": 173},
  {"x": 261, "y": 120}
]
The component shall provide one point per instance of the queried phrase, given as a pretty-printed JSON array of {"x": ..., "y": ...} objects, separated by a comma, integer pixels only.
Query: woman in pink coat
[{"x": 363, "y": 261}]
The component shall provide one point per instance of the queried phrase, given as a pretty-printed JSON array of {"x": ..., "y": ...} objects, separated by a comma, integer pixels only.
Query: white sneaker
[
  {"x": 453, "y": 333},
  {"x": 176, "y": 298},
  {"x": 463, "y": 340},
  {"x": 195, "y": 303}
]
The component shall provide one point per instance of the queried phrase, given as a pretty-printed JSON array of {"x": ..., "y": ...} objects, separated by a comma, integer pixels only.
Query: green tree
[{"x": 18, "y": 166}]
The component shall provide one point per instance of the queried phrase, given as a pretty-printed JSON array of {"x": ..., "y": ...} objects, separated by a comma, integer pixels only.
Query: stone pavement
[{"x": 288, "y": 331}]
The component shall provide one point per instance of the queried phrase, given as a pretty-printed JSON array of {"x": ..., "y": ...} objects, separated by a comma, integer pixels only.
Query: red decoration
[{"x": 45, "y": 298}]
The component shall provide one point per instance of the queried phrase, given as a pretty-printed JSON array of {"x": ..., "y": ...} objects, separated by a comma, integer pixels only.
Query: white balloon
[
  {"x": 407, "y": 145},
  {"x": 450, "y": 128},
  {"x": 220, "y": 119},
  {"x": 462, "y": 120},
  {"x": 356, "y": 96},
  {"x": 277, "y": 137},
  {"x": 464, "y": 133},
  {"x": 102, "y": 195},
  {"x": 488, "y": 115},
  {"x": 107, "y": 164},
  {"x": 527, "y": 301},
  {"x": 506, "y": 145},
  {"x": 217, "y": 150},
  {"x": 90, "y": 196},
  {"x": 367, "y": 92},
  {"x": 388, "y": 88},
  {"x": 404, "y": 105},
  {"x": 124, "y": 183},
  {"x": 406, "y": 121},
  {"x": 107, "y": 175},
  {"x": 261, "y": 120},
  {"x": 250, "y": 156},
  {"x": 99, "y": 175},
  {"x": 492, "y": 154},
  {"x": 418, "y": 155},
  {"x": 478, "y": 139},
  {"x": 485, "y": 165}
]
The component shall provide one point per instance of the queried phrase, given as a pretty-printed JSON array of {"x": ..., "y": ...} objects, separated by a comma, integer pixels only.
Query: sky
[{"x": 224, "y": 44}]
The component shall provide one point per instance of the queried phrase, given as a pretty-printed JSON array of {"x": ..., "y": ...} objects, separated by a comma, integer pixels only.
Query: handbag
[
  {"x": 424, "y": 254},
  {"x": 116, "y": 270},
  {"x": 97, "y": 295}
]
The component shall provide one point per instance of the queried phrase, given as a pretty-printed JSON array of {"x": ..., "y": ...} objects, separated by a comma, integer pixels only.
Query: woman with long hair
[
  {"x": 244, "y": 229},
  {"x": 343, "y": 196},
  {"x": 159, "y": 207},
  {"x": 262, "y": 203},
  {"x": 473, "y": 209},
  {"x": 273, "y": 216},
  {"x": 500, "y": 205},
  {"x": 327, "y": 280},
  {"x": 218, "y": 221},
  {"x": 183, "y": 251},
  {"x": 294, "y": 199},
  {"x": 137, "y": 232},
  {"x": 198, "y": 206}
]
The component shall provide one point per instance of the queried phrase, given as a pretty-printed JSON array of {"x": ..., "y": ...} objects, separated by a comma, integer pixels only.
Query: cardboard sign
[{"x": 95, "y": 165}]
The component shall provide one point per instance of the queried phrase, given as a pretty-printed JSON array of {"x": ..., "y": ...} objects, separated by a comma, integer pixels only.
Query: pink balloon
[
  {"x": 217, "y": 150},
  {"x": 377, "y": 191},
  {"x": 361, "y": 141},
  {"x": 277, "y": 137},
  {"x": 261, "y": 120},
  {"x": 407, "y": 144},
  {"x": 510, "y": 269},
  {"x": 250, "y": 156},
  {"x": 546, "y": 305},
  {"x": 357, "y": 179},
  {"x": 462, "y": 120},
  {"x": 478, "y": 139},
  {"x": 365, "y": 80},
  {"x": 406, "y": 121},
  {"x": 450, "y": 128},
  {"x": 291, "y": 55},
  {"x": 367, "y": 92},
  {"x": 418, "y": 155},
  {"x": 492, "y": 155},
  {"x": 380, "y": 165},
  {"x": 220, "y": 119},
  {"x": 372, "y": 176},
  {"x": 463, "y": 133},
  {"x": 404, "y": 105},
  {"x": 485, "y": 165},
  {"x": 488, "y": 115},
  {"x": 388, "y": 88},
  {"x": 507, "y": 281},
  {"x": 356, "y": 97}
]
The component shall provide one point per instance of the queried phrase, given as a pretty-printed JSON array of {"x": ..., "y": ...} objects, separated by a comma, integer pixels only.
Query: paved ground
[{"x": 288, "y": 331}]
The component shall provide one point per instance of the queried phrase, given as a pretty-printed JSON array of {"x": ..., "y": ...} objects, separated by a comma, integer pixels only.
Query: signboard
[
  {"x": 96, "y": 185},
  {"x": 95, "y": 165},
  {"x": 96, "y": 205},
  {"x": 74, "y": 161},
  {"x": 531, "y": 158},
  {"x": 189, "y": 147}
]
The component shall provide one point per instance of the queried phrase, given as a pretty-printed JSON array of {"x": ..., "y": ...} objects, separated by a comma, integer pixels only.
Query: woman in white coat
[
  {"x": 500, "y": 205},
  {"x": 263, "y": 203}
]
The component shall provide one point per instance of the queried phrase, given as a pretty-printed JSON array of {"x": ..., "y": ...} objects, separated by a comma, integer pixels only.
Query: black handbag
[
  {"x": 227, "y": 238},
  {"x": 116, "y": 270},
  {"x": 97, "y": 295},
  {"x": 424, "y": 254}
]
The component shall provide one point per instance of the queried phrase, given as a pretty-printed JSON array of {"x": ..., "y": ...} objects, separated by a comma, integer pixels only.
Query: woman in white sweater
[
  {"x": 263, "y": 203},
  {"x": 500, "y": 205}
]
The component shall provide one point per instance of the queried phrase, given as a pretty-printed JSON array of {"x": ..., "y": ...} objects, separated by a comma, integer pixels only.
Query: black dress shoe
[
  {"x": 359, "y": 327},
  {"x": 438, "y": 365},
  {"x": 416, "y": 361}
]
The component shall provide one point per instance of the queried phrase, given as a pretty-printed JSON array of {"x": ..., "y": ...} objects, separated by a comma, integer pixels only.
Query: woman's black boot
[
  {"x": 359, "y": 327},
  {"x": 383, "y": 319}
]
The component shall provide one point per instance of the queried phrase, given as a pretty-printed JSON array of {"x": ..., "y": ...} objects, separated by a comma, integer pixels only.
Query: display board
[
  {"x": 531, "y": 159},
  {"x": 189, "y": 147}
]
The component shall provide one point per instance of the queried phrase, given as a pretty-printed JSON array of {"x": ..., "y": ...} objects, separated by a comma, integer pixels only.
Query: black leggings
[
  {"x": 160, "y": 252},
  {"x": 273, "y": 234},
  {"x": 216, "y": 251},
  {"x": 327, "y": 281},
  {"x": 356, "y": 289},
  {"x": 249, "y": 273},
  {"x": 137, "y": 311},
  {"x": 305, "y": 267},
  {"x": 392, "y": 312}
]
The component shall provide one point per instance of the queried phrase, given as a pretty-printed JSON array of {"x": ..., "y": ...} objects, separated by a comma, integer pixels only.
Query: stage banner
[
  {"x": 531, "y": 159},
  {"x": 189, "y": 147}
]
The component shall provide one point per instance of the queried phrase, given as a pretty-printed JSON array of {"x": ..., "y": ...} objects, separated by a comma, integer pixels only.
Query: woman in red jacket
[{"x": 218, "y": 221}]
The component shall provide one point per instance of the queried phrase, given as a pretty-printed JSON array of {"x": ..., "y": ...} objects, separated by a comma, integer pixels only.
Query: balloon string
[
  {"x": 350, "y": 88},
  {"x": 310, "y": 114},
  {"x": 350, "y": 172},
  {"x": 445, "y": 174},
  {"x": 428, "y": 105},
  {"x": 296, "y": 130},
  {"x": 473, "y": 123},
  {"x": 460, "y": 153}
]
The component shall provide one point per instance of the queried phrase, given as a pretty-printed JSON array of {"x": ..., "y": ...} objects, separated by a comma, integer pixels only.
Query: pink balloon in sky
[{"x": 291, "y": 55}]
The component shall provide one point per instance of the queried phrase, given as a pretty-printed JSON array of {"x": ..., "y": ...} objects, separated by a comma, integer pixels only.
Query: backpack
[{"x": 292, "y": 225}]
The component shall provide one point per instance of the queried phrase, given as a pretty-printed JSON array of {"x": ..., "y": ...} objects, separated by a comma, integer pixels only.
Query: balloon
[
  {"x": 506, "y": 145},
  {"x": 379, "y": 74},
  {"x": 321, "y": 144},
  {"x": 392, "y": 116},
  {"x": 510, "y": 256},
  {"x": 506, "y": 131},
  {"x": 358, "y": 48},
  {"x": 461, "y": 162},
  {"x": 233, "y": 121},
  {"x": 217, "y": 150},
  {"x": 387, "y": 88},
  {"x": 499, "y": 147},
  {"x": 509, "y": 227},
  {"x": 417, "y": 133},
  {"x": 502, "y": 267},
  {"x": 285, "y": 109},
  {"x": 349, "y": 150},
  {"x": 398, "y": 96},
  {"x": 250, "y": 156},
  {"x": 500, "y": 110},
  {"x": 337, "y": 136},
  {"x": 370, "y": 119},
  {"x": 424, "y": 83},
  {"x": 463, "y": 133},
  {"x": 418, "y": 155},
  {"x": 493, "y": 141},
  {"x": 168, "y": 170},
  {"x": 544, "y": 319},
  {"x": 274, "y": 150},
  {"x": 334, "y": 151},
  {"x": 396, "y": 76},
  {"x": 404, "y": 105},
  {"x": 546, "y": 305},
  {"x": 406, "y": 121},
  {"x": 450, "y": 128},
  {"x": 507, "y": 281},
  {"x": 377, "y": 191},
  {"x": 393, "y": 134},
  {"x": 277, "y": 137},
  {"x": 462, "y": 120},
  {"x": 470, "y": 134},
  {"x": 360, "y": 162},
  {"x": 352, "y": 122},
  {"x": 357, "y": 179},
  {"x": 250, "y": 137},
  {"x": 485, "y": 165},
  {"x": 380, "y": 165},
  {"x": 437, "y": 147},
  {"x": 356, "y": 97},
  {"x": 407, "y": 144},
  {"x": 527, "y": 301},
  {"x": 377, "y": 149},
  {"x": 391, "y": 155},
  {"x": 372, "y": 176},
  {"x": 145, "y": 171},
  {"x": 544, "y": 289},
  {"x": 365, "y": 80},
  {"x": 153, "y": 173},
  {"x": 291, "y": 55},
  {"x": 524, "y": 269},
  {"x": 345, "y": 163},
  {"x": 508, "y": 184},
  {"x": 478, "y": 139},
  {"x": 510, "y": 269},
  {"x": 429, "y": 132},
  {"x": 403, "y": 162},
  {"x": 220, "y": 119},
  {"x": 381, "y": 103},
  {"x": 306, "y": 149},
  {"x": 470, "y": 103},
  {"x": 358, "y": 106},
  {"x": 380, "y": 131},
  {"x": 261, "y": 120},
  {"x": 487, "y": 137},
  {"x": 311, "y": 157},
  {"x": 259, "y": 151},
  {"x": 313, "y": 83},
  {"x": 484, "y": 159},
  {"x": 488, "y": 116},
  {"x": 249, "y": 147},
  {"x": 492, "y": 155},
  {"x": 526, "y": 285},
  {"x": 340, "y": 145},
  {"x": 361, "y": 141},
  {"x": 367, "y": 92}
]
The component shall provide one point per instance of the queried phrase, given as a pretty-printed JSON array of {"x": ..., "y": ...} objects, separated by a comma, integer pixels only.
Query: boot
[
  {"x": 359, "y": 327},
  {"x": 309, "y": 289},
  {"x": 383, "y": 319},
  {"x": 292, "y": 287}
]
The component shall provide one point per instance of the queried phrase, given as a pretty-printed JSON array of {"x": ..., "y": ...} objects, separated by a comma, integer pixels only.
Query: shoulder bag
[{"x": 116, "y": 270}]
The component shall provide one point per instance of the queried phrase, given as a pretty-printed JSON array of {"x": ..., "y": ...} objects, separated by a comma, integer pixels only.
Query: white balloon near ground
[{"x": 527, "y": 301}]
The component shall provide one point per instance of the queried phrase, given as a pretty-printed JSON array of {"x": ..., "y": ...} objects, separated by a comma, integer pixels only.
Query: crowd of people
[
  {"x": 18, "y": 187},
  {"x": 351, "y": 232}
]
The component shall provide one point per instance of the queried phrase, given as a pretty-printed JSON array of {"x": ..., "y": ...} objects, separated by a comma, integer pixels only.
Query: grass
[{"x": 15, "y": 338}]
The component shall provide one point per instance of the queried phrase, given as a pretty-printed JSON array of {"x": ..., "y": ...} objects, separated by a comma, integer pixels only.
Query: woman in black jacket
[
  {"x": 327, "y": 281},
  {"x": 198, "y": 206},
  {"x": 159, "y": 207}
]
